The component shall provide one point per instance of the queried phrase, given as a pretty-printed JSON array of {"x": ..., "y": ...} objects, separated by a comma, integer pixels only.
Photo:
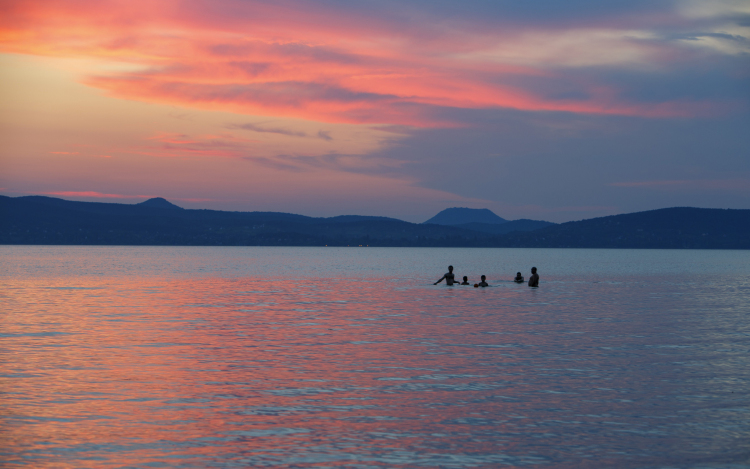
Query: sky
[{"x": 543, "y": 109}]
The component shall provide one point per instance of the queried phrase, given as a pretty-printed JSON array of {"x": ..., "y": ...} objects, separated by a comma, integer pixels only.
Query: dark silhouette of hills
[
  {"x": 667, "y": 228},
  {"x": 506, "y": 227},
  {"x": 484, "y": 221},
  {"x": 159, "y": 202},
  {"x": 47, "y": 220},
  {"x": 460, "y": 216}
]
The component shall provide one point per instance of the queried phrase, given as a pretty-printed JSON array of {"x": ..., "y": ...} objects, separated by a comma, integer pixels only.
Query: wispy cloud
[
  {"x": 257, "y": 128},
  {"x": 103, "y": 195},
  {"x": 276, "y": 163},
  {"x": 362, "y": 67},
  {"x": 180, "y": 145},
  {"x": 94, "y": 194}
]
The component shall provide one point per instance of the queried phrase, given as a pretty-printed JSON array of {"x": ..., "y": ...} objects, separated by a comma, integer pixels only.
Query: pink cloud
[
  {"x": 94, "y": 194},
  {"x": 191, "y": 199},
  {"x": 298, "y": 59},
  {"x": 101, "y": 195}
]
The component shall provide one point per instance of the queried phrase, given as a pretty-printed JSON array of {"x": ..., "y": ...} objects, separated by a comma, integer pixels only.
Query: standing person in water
[
  {"x": 484, "y": 283},
  {"x": 534, "y": 279},
  {"x": 519, "y": 278},
  {"x": 450, "y": 278},
  {"x": 466, "y": 281}
]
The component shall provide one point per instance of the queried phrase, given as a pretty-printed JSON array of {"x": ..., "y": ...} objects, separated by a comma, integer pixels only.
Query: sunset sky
[{"x": 545, "y": 110}]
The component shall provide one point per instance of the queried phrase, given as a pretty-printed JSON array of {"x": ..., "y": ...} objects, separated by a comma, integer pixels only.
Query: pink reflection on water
[{"x": 203, "y": 372}]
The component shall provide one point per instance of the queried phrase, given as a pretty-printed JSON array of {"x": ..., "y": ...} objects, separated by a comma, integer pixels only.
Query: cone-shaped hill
[
  {"x": 460, "y": 216},
  {"x": 160, "y": 202}
]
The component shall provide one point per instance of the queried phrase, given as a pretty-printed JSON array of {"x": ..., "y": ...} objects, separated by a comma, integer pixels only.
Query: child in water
[
  {"x": 519, "y": 278},
  {"x": 534, "y": 279},
  {"x": 483, "y": 283},
  {"x": 466, "y": 281},
  {"x": 450, "y": 277}
]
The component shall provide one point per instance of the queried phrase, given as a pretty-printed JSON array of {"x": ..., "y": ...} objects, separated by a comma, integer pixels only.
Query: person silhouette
[
  {"x": 483, "y": 283},
  {"x": 534, "y": 279},
  {"x": 519, "y": 278},
  {"x": 449, "y": 277},
  {"x": 466, "y": 281}
]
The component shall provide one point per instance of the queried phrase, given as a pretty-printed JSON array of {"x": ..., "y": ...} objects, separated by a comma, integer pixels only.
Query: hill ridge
[{"x": 45, "y": 220}]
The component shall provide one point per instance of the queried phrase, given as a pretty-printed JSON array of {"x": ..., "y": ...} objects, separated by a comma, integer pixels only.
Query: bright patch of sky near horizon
[{"x": 379, "y": 108}]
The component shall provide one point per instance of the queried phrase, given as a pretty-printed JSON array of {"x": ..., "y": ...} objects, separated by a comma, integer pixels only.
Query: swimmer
[
  {"x": 534, "y": 279},
  {"x": 466, "y": 281},
  {"x": 483, "y": 283},
  {"x": 450, "y": 277},
  {"x": 519, "y": 278}
]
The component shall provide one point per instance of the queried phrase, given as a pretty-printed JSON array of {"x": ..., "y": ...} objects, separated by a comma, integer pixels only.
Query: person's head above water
[
  {"x": 466, "y": 278},
  {"x": 484, "y": 277},
  {"x": 518, "y": 274},
  {"x": 533, "y": 270},
  {"x": 450, "y": 268}
]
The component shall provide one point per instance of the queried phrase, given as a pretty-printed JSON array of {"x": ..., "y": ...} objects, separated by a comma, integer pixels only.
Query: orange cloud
[{"x": 301, "y": 60}]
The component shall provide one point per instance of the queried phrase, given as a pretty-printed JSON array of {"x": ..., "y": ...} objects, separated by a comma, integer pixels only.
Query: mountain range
[{"x": 46, "y": 220}]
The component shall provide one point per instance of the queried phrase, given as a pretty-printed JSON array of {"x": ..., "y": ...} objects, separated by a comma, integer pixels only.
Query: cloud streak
[
  {"x": 257, "y": 128},
  {"x": 95, "y": 195},
  {"x": 342, "y": 65}
]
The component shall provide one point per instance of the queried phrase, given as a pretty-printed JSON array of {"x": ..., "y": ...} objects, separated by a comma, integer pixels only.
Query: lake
[{"x": 212, "y": 357}]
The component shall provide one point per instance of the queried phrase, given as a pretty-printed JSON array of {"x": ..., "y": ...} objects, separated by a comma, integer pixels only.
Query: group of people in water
[{"x": 450, "y": 279}]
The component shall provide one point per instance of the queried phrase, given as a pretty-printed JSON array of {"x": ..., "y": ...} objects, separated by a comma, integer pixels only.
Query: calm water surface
[{"x": 336, "y": 357}]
